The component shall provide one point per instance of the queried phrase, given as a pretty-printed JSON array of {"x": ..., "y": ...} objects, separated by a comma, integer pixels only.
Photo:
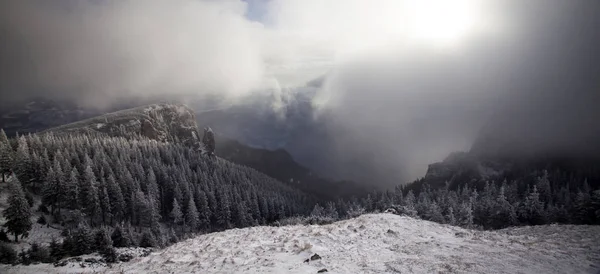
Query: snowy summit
[{"x": 372, "y": 243}]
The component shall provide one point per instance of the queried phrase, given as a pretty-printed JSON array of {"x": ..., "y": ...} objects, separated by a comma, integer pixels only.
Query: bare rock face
[{"x": 161, "y": 122}]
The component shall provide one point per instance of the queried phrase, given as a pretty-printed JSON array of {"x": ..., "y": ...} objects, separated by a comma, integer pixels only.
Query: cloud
[
  {"x": 406, "y": 82},
  {"x": 94, "y": 50}
]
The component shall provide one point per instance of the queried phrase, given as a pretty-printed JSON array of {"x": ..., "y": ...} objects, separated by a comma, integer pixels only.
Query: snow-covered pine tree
[
  {"x": 209, "y": 141},
  {"x": 117, "y": 203},
  {"x": 176, "y": 215},
  {"x": 331, "y": 211},
  {"x": 434, "y": 213},
  {"x": 465, "y": 215},
  {"x": 191, "y": 215},
  {"x": 6, "y": 156},
  {"x": 18, "y": 212},
  {"x": 23, "y": 167},
  {"x": 318, "y": 211},
  {"x": 224, "y": 209},
  {"x": 450, "y": 216},
  {"x": 203, "y": 210},
  {"x": 104, "y": 203},
  {"x": 89, "y": 194},
  {"x": 534, "y": 208}
]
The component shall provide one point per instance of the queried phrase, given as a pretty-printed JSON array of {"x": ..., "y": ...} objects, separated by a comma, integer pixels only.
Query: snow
[{"x": 373, "y": 243}]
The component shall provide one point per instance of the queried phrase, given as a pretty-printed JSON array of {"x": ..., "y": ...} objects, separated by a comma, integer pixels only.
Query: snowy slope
[{"x": 374, "y": 243}]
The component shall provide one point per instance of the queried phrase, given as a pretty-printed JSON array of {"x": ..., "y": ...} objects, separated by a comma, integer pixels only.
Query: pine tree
[
  {"x": 117, "y": 203},
  {"x": 209, "y": 141},
  {"x": 318, "y": 211},
  {"x": 120, "y": 238},
  {"x": 84, "y": 240},
  {"x": 102, "y": 240},
  {"x": 191, "y": 215},
  {"x": 6, "y": 155},
  {"x": 543, "y": 186},
  {"x": 23, "y": 167},
  {"x": 224, "y": 210},
  {"x": 18, "y": 212},
  {"x": 176, "y": 215},
  {"x": 147, "y": 240},
  {"x": 503, "y": 213},
  {"x": 450, "y": 216},
  {"x": 595, "y": 206},
  {"x": 71, "y": 200},
  {"x": 434, "y": 213},
  {"x": 203, "y": 211},
  {"x": 55, "y": 190},
  {"x": 105, "y": 203},
  {"x": 241, "y": 215},
  {"x": 331, "y": 211},
  {"x": 533, "y": 210},
  {"x": 89, "y": 194},
  {"x": 465, "y": 215},
  {"x": 581, "y": 208}
]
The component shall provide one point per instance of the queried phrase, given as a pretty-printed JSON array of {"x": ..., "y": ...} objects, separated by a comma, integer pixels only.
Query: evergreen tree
[
  {"x": 582, "y": 212},
  {"x": 224, "y": 210},
  {"x": 533, "y": 209},
  {"x": 71, "y": 199},
  {"x": 102, "y": 240},
  {"x": 6, "y": 155},
  {"x": 191, "y": 215},
  {"x": 503, "y": 213},
  {"x": 89, "y": 194},
  {"x": 105, "y": 203},
  {"x": 120, "y": 238},
  {"x": 23, "y": 167},
  {"x": 434, "y": 213},
  {"x": 465, "y": 215},
  {"x": 450, "y": 216},
  {"x": 331, "y": 211},
  {"x": 209, "y": 141},
  {"x": 176, "y": 215},
  {"x": 117, "y": 203},
  {"x": 203, "y": 211},
  {"x": 147, "y": 240},
  {"x": 318, "y": 211},
  {"x": 18, "y": 212},
  {"x": 84, "y": 240}
]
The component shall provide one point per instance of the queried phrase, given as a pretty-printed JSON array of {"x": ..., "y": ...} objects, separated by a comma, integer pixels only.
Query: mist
[
  {"x": 96, "y": 52},
  {"x": 403, "y": 84}
]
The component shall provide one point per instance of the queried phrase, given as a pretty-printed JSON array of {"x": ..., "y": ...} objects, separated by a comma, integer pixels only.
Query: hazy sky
[{"x": 420, "y": 76}]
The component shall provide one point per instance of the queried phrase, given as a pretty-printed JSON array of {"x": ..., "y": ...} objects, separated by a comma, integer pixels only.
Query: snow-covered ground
[{"x": 373, "y": 243}]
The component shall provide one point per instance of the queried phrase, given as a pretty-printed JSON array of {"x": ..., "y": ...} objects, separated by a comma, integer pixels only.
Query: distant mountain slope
[
  {"x": 40, "y": 114},
  {"x": 280, "y": 165},
  {"x": 161, "y": 122},
  {"x": 374, "y": 243},
  {"x": 177, "y": 123}
]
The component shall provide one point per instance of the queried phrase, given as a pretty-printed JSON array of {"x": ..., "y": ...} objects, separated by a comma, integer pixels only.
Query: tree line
[{"x": 155, "y": 191}]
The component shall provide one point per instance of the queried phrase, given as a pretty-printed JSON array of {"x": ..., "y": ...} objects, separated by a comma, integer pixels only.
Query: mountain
[
  {"x": 177, "y": 123},
  {"x": 280, "y": 165},
  {"x": 372, "y": 243},
  {"x": 161, "y": 122},
  {"x": 40, "y": 114}
]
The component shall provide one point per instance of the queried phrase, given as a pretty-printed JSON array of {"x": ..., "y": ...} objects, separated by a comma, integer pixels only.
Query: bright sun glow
[{"x": 441, "y": 22}]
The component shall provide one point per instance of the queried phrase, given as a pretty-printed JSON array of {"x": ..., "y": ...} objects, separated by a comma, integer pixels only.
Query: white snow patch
[{"x": 373, "y": 243}]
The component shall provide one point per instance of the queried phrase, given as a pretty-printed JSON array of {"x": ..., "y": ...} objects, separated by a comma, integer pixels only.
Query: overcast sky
[{"x": 421, "y": 76}]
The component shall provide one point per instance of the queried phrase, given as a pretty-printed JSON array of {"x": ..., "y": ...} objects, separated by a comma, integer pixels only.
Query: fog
[{"x": 406, "y": 82}]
